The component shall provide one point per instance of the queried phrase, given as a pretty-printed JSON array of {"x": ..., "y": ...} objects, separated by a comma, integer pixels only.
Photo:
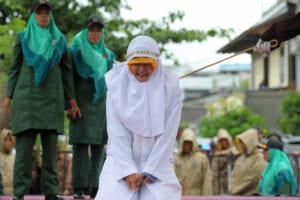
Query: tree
[
  {"x": 7, "y": 35},
  {"x": 231, "y": 114},
  {"x": 290, "y": 107},
  {"x": 71, "y": 14}
]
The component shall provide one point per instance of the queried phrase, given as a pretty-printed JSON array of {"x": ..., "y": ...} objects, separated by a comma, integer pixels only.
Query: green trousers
[
  {"x": 87, "y": 164},
  {"x": 23, "y": 162}
]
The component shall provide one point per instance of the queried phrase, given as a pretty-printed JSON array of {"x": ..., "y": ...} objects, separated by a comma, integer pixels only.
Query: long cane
[{"x": 274, "y": 43}]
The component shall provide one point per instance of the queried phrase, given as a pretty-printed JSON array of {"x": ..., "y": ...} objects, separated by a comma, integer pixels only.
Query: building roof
[
  {"x": 238, "y": 67},
  {"x": 250, "y": 37}
]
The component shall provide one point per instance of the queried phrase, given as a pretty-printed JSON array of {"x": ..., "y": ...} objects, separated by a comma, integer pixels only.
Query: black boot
[
  {"x": 18, "y": 197},
  {"x": 93, "y": 192},
  {"x": 53, "y": 197},
  {"x": 78, "y": 193}
]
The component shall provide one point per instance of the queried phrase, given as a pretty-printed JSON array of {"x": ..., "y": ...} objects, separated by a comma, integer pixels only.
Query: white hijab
[{"x": 140, "y": 105}]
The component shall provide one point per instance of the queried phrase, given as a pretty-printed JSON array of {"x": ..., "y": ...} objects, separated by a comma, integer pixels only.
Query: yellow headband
[{"x": 139, "y": 60}]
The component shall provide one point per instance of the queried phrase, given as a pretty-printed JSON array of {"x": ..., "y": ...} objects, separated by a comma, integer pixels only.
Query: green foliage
[
  {"x": 7, "y": 35},
  {"x": 184, "y": 125},
  {"x": 3, "y": 80},
  {"x": 290, "y": 107},
  {"x": 70, "y": 16},
  {"x": 66, "y": 123},
  {"x": 231, "y": 115},
  {"x": 244, "y": 85}
]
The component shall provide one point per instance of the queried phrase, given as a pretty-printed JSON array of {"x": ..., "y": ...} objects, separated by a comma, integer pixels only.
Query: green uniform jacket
[
  {"x": 90, "y": 128},
  {"x": 38, "y": 107}
]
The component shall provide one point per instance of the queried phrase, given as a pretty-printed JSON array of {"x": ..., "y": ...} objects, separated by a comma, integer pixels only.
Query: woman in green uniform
[
  {"x": 39, "y": 81},
  {"x": 88, "y": 133}
]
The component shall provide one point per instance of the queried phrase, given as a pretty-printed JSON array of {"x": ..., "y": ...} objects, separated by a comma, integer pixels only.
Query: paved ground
[{"x": 40, "y": 197}]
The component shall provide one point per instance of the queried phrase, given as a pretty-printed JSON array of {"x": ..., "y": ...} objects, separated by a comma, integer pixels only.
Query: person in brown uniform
[
  {"x": 192, "y": 166},
  {"x": 220, "y": 162},
  {"x": 7, "y": 159},
  {"x": 249, "y": 166}
]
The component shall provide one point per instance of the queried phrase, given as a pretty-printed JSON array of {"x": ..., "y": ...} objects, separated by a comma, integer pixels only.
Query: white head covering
[
  {"x": 141, "y": 105},
  {"x": 143, "y": 46}
]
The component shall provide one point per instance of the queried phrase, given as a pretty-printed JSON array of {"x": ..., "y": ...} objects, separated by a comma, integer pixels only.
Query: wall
[{"x": 266, "y": 103}]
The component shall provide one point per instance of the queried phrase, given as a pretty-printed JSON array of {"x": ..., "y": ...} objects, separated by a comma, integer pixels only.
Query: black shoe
[
  {"x": 53, "y": 197},
  {"x": 79, "y": 195},
  {"x": 18, "y": 197},
  {"x": 93, "y": 192}
]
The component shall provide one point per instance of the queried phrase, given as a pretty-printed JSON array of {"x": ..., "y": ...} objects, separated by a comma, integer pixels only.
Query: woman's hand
[
  {"x": 74, "y": 111},
  {"x": 7, "y": 107},
  {"x": 147, "y": 180},
  {"x": 133, "y": 181}
]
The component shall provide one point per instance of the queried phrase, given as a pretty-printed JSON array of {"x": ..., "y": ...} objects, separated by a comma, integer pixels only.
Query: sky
[{"x": 206, "y": 14}]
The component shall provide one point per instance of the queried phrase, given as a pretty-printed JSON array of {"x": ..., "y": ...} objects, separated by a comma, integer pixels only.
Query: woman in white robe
[{"x": 143, "y": 115}]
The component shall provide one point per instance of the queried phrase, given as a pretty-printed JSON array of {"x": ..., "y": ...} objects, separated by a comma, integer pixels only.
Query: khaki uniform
[
  {"x": 220, "y": 164},
  {"x": 248, "y": 167},
  {"x": 64, "y": 166},
  {"x": 193, "y": 170},
  {"x": 7, "y": 160}
]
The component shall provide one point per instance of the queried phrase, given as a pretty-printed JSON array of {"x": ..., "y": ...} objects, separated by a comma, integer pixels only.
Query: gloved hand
[{"x": 262, "y": 46}]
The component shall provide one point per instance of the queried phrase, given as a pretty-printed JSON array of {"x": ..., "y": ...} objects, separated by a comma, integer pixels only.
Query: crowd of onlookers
[
  {"x": 48, "y": 77},
  {"x": 238, "y": 166},
  {"x": 7, "y": 158},
  {"x": 249, "y": 164}
]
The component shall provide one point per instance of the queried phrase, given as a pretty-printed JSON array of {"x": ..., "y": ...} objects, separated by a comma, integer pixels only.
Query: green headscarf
[
  {"x": 92, "y": 60},
  {"x": 42, "y": 47},
  {"x": 277, "y": 173}
]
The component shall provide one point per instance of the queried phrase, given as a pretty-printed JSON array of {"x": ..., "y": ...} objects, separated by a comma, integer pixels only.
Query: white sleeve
[{"x": 119, "y": 142}]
